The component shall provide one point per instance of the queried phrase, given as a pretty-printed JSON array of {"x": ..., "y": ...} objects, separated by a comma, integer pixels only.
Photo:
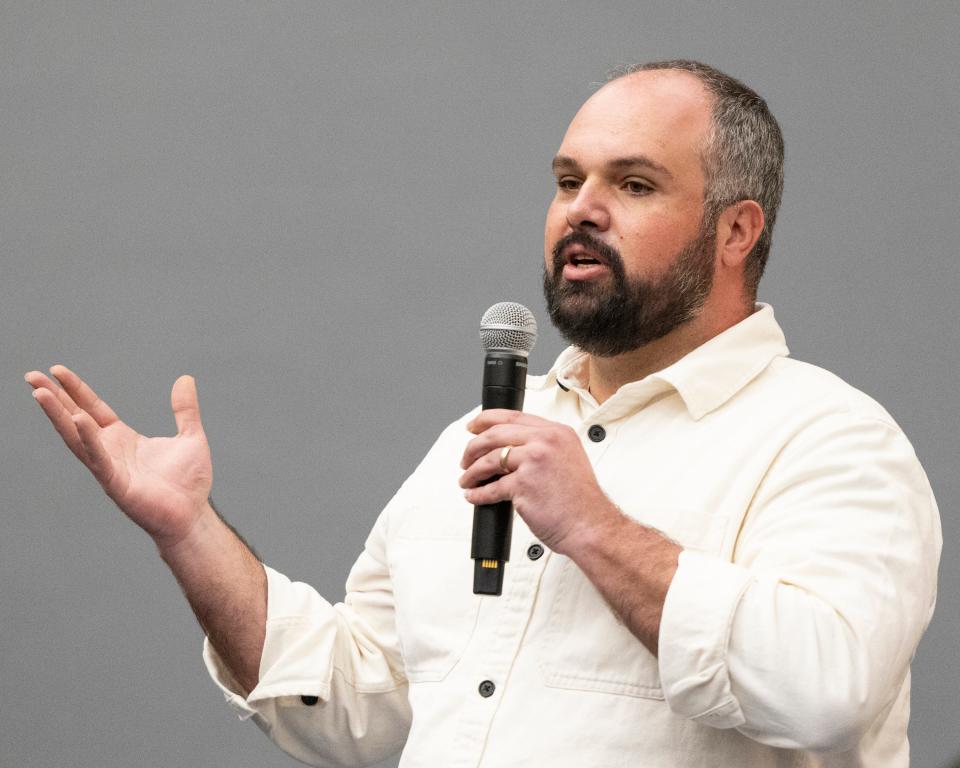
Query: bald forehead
[
  {"x": 664, "y": 82},
  {"x": 671, "y": 99}
]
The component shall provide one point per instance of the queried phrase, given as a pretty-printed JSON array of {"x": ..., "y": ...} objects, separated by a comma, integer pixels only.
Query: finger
[
  {"x": 98, "y": 460},
  {"x": 486, "y": 419},
  {"x": 186, "y": 406},
  {"x": 84, "y": 396},
  {"x": 489, "y": 465},
  {"x": 38, "y": 380},
  {"x": 61, "y": 421},
  {"x": 499, "y": 490},
  {"x": 496, "y": 436}
]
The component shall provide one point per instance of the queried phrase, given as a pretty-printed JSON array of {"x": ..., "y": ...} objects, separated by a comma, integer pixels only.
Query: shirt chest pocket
[
  {"x": 585, "y": 647},
  {"x": 436, "y": 610},
  {"x": 584, "y": 644}
]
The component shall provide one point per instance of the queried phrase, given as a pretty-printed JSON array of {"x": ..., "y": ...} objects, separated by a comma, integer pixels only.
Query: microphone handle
[{"x": 504, "y": 383}]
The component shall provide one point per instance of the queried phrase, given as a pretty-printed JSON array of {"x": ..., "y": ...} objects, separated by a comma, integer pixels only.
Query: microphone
[{"x": 508, "y": 332}]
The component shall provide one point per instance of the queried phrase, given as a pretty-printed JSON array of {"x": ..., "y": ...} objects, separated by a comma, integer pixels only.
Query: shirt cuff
[
  {"x": 286, "y": 667},
  {"x": 694, "y": 633},
  {"x": 225, "y": 681}
]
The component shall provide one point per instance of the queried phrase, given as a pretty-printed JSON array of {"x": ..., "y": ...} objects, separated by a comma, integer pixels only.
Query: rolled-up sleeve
[
  {"x": 332, "y": 690},
  {"x": 694, "y": 634},
  {"x": 804, "y": 634}
]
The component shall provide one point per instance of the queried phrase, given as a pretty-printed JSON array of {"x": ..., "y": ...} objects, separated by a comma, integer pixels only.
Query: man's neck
[{"x": 608, "y": 374}]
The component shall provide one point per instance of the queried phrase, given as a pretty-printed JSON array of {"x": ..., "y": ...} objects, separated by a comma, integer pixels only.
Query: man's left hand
[{"x": 549, "y": 478}]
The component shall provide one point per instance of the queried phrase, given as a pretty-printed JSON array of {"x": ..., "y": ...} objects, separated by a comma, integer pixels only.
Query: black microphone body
[
  {"x": 504, "y": 383},
  {"x": 508, "y": 331}
]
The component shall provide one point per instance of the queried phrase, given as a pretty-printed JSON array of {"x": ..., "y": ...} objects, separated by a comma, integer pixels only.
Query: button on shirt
[{"x": 811, "y": 542}]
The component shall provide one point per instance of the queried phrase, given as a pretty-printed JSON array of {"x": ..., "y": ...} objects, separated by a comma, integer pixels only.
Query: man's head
[{"x": 670, "y": 176}]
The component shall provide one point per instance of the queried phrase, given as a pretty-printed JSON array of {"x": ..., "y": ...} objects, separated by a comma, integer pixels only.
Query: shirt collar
[{"x": 705, "y": 378}]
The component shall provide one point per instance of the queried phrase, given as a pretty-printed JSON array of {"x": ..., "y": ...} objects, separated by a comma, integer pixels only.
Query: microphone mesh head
[{"x": 508, "y": 326}]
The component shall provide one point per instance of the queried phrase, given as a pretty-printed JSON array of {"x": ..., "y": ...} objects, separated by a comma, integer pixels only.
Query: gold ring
[{"x": 504, "y": 452}]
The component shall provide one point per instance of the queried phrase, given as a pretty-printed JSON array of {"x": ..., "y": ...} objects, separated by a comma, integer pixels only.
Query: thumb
[{"x": 186, "y": 406}]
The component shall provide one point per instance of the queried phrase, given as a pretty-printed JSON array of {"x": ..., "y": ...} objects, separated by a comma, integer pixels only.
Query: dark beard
[{"x": 606, "y": 319}]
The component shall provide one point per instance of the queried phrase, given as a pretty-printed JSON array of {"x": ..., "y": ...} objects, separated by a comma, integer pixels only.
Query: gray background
[{"x": 308, "y": 206}]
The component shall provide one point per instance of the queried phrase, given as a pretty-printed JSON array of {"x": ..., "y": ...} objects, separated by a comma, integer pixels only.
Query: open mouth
[
  {"x": 581, "y": 260},
  {"x": 583, "y": 265},
  {"x": 579, "y": 257}
]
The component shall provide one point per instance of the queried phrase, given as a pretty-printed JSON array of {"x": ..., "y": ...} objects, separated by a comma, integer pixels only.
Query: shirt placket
[{"x": 495, "y": 661}]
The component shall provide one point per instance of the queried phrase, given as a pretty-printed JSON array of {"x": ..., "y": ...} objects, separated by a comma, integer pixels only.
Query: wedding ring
[{"x": 504, "y": 452}]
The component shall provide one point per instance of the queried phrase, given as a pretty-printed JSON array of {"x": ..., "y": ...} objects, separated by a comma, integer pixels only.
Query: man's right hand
[{"x": 161, "y": 483}]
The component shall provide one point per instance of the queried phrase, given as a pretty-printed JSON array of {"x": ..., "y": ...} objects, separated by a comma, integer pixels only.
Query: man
[{"x": 722, "y": 556}]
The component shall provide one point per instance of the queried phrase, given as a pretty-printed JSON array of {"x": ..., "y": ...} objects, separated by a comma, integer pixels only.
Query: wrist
[
  {"x": 203, "y": 530},
  {"x": 610, "y": 536},
  {"x": 603, "y": 523}
]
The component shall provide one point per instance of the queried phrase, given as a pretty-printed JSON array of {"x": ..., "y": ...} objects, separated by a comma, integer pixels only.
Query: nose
[{"x": 588, "y": 210}]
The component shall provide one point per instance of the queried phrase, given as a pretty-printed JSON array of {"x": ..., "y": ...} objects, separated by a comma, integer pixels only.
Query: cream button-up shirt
[{"x": 811, "y": 544}]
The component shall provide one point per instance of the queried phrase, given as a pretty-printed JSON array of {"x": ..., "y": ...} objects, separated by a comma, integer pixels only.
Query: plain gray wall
[{"x": 308, "y": 206}]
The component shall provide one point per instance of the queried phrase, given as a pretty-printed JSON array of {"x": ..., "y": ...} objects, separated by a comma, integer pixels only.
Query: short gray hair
[{"x": 742, "y": 157}]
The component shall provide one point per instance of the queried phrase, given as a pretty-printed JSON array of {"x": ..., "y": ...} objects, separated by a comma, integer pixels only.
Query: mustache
[{"x": 609, "y": 254}]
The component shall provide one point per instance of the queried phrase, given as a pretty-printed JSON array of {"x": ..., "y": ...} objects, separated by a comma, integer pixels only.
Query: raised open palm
[{"x": 161, "y": 483}]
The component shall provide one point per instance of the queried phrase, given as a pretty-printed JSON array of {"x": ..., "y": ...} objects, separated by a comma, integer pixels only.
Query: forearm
[
  {"x": 631, "y": 565},
  {"x": 345, "y": 658},
  {"x": 226, "y": 587}
]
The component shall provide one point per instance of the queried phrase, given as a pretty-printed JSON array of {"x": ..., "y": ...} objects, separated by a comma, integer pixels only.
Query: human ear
[{"x": 740, "y": 226}]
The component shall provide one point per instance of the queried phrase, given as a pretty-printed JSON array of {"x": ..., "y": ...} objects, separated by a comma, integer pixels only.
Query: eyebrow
[{"x": 563, "y": 163}]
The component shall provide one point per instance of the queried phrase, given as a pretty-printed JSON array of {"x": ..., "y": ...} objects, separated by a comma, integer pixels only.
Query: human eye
[
  {"x": 568, "y": 183},
  {"x": 637, "y": 187}
]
